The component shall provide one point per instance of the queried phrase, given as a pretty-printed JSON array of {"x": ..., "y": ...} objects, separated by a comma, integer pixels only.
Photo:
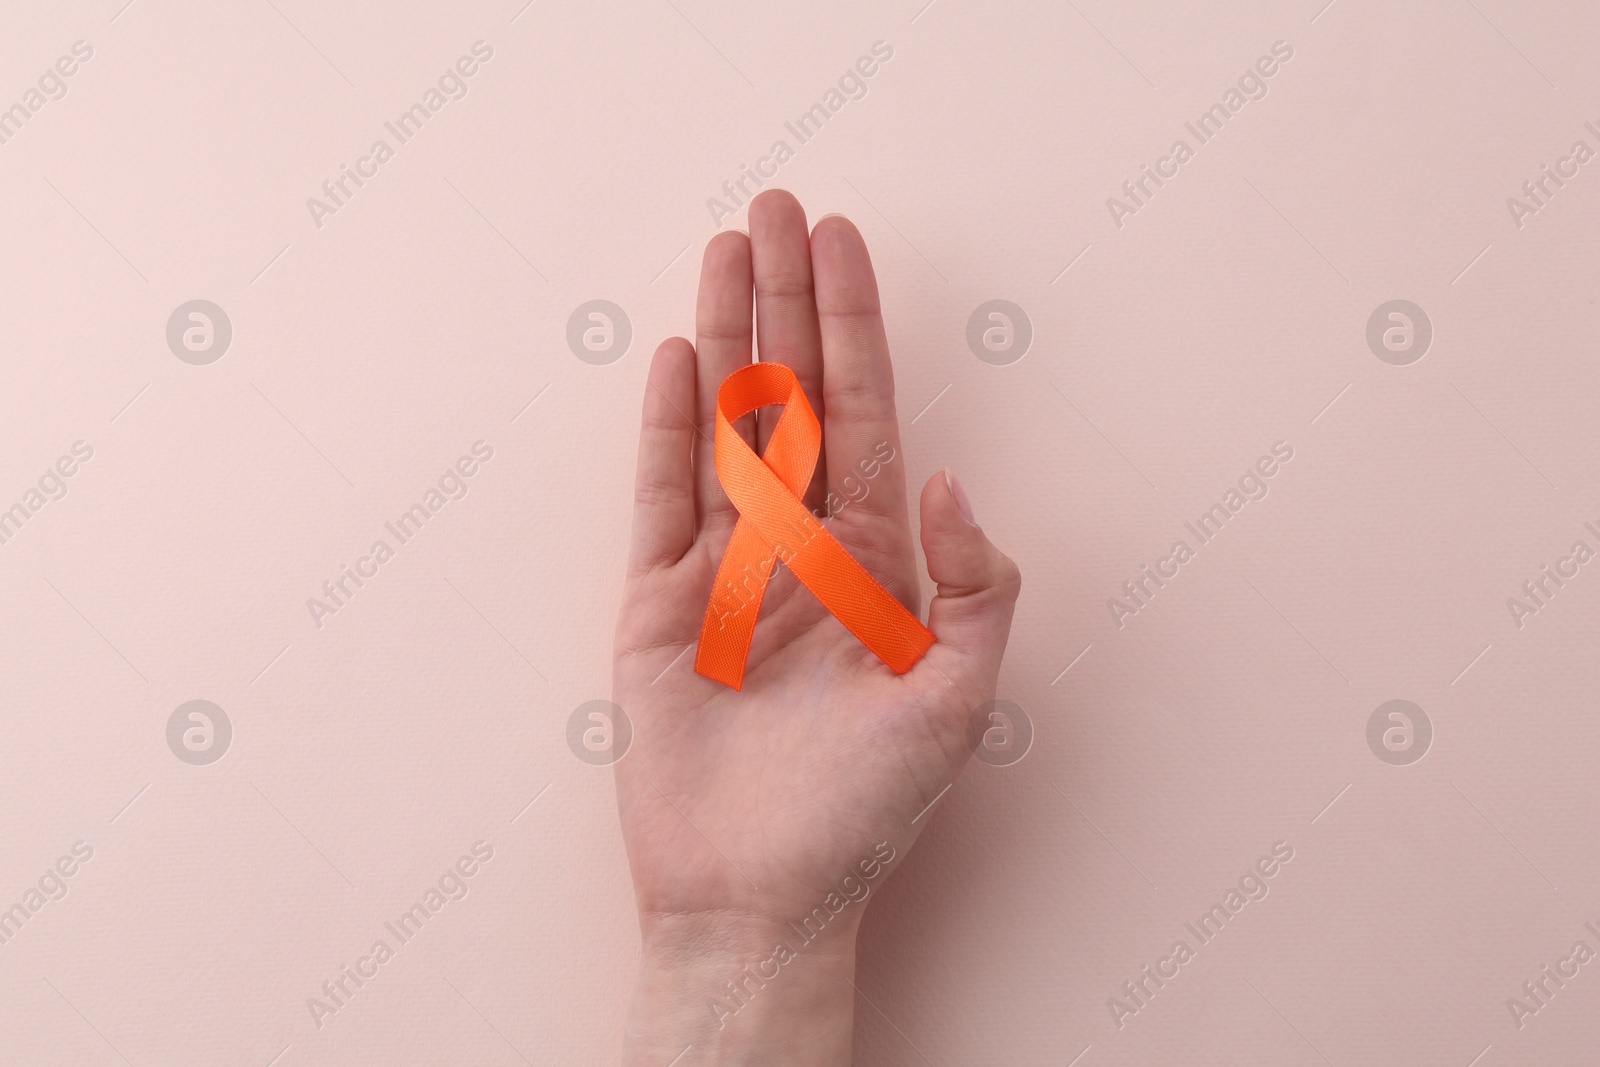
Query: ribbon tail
[
  {"x": 731, "y": 610},
  {"x": 861, "y": 603}
]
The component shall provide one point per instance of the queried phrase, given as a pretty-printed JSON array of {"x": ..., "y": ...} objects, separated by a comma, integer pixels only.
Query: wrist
[{"x": 743, "y": 990}]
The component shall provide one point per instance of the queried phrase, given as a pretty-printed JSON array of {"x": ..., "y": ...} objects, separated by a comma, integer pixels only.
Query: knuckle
[
  {"x": 785, "y": 282},
  {"x": 1008, "y": 578},
  {"x": 652, "y": 492},
  {"x": 720, "y": 329}
]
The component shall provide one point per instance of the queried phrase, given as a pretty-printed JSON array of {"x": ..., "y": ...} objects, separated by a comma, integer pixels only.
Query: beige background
[{"x": 369, "y": 353}]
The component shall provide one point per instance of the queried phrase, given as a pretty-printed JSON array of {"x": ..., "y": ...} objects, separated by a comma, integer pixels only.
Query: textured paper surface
[{"x": 1172, "y": 343}]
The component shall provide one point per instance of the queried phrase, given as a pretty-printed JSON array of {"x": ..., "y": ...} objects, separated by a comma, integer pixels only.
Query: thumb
[{"x": 978, "y": 584}]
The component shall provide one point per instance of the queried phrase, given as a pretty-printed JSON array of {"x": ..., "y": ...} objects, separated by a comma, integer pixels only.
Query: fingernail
[
  {"x": 831, "y": 215},
  {"x": 954, "y": 485}
]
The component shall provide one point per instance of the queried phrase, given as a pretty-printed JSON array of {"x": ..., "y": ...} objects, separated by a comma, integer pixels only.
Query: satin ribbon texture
[{"x": 774, "y": 525}]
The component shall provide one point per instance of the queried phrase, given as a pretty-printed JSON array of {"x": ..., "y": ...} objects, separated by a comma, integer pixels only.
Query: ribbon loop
[{"x": 774, "y": 525}]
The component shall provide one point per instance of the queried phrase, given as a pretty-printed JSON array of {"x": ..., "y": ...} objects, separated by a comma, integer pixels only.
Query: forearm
[{"x": 736, "y": 993}]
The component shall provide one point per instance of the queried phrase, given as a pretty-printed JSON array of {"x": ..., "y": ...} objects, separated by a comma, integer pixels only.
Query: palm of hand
[{"x": 756, "y": 803}]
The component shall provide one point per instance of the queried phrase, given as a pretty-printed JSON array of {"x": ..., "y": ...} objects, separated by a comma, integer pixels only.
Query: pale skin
[{"x": 743, "y": 811}]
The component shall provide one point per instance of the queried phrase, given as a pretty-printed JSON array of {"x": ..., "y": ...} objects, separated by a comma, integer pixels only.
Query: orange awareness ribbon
[{"x": 774, "y": 525}]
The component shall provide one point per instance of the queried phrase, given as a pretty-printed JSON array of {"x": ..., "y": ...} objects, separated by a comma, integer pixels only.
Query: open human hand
[{"x": 745, "y": 812}]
